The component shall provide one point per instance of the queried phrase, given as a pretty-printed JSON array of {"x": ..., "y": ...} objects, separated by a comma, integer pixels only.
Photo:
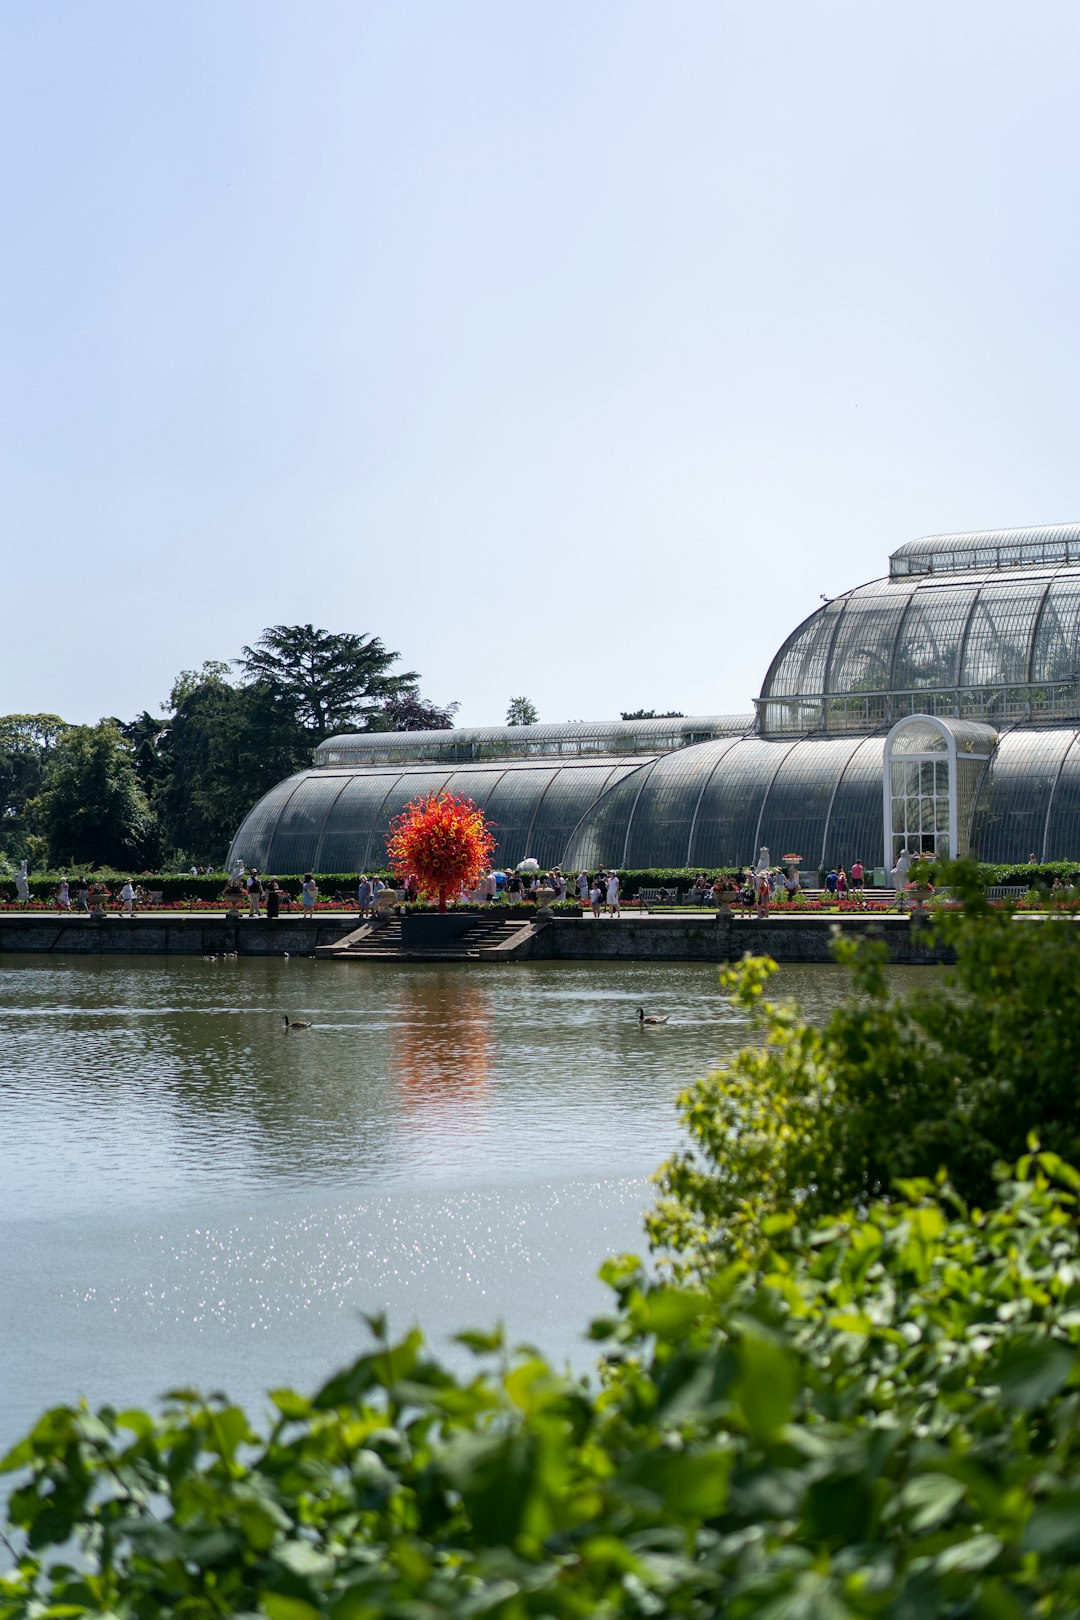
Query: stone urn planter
[
  {"x": 544, "y": 896},
  {"x": 918, "y": 894}
]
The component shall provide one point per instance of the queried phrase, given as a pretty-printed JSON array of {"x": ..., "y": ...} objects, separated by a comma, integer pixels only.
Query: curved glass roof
[
  {"x": 987, "y": 548},
  {"x": 337, "y": 820},
  {"x": 995, "y": 647},
  {"x": 717, "y": 804},
  {"x": 530, "y": 742},
  {"x": 709, "y": 805},
  {"x": 713, "y": 804}
]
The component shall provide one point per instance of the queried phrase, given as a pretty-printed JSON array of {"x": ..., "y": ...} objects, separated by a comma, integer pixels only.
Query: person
[
  {"x": 596, "y": 898},
  {"x": 127, "y": 899},
  {"x": 194, "y": 871},
  {"x": 1032, "y": 858},
  {"x": 857, "y": 874},
  {"x": 583, "y": 887},
  {"x": 273, "y": 900},
  {"x": 791, "y": 885},
  {"x": 63, "y": 896},
  {"x": 363, "y": 895},
  {"x": 841, "y": 883},
  {"x": 830, "y": 881},
  {"x": 613, "y": 895},
  {"x": 310, "y": 895},
  {"x": 255, "y": 892},
  {"x": 82, "y": 892},
  {"x": 763, "y": 893}
]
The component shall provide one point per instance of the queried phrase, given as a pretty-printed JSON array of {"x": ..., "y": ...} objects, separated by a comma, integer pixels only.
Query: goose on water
[
  {"x": 296, "y": 1023},
  {"x": 651, "y": 1018}
]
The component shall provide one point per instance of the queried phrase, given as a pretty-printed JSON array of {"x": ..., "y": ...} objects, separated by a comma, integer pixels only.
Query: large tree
[
  {"x": 91, "y": 808},
  {"x": 222, "y": 749},
  {"x": 328, "y": 683},
  {"x": 26, "y": 742}
]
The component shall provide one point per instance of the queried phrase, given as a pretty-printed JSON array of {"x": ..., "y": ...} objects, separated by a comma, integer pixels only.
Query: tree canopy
[
  {"x": 652, "y": 714},
  {"x": 91, "y": 808},
  {"x": 220, "y": 741},
  {"x": 328, "y": 683},
  {"x": 521, "y": 712}
]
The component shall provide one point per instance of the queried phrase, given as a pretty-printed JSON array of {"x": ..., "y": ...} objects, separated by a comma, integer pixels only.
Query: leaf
[
  {"x": 930, "y": 1498},
  {"x": 971, "y": 1555},
  {"x": 290, "y": 1404},
  {"x": 481, "y": 1344},
  {"x": 766, "y": 1386},
  {"x": 687, "y": 1485},
  {"x": 279, "y": 1607},
  {"x": 300, "y": 1558},
  {"x": 668, "y": 1312},
  {"x": 1054, "y": 1524},
  {"x": 1032, "y": 1370}
]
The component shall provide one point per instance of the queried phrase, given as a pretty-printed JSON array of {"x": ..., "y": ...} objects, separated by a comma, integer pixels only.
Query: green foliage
[
  {"x": 175, "y": 886},
  {"x": 91, "y": 806},
  {"x": 653, "y": 714},
  {"x": 26, "y": 743},
  {"x": 891, "y": 1085},
  {"x": 224, "y": 747},
  {"x": 325, "y": 683},
  {"x": 521, "y": 712},
  {"x": 877, "y": 1419}
]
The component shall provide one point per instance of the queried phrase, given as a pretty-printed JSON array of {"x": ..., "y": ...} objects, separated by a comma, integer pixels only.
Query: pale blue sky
[{"x": 572, "y": 349}]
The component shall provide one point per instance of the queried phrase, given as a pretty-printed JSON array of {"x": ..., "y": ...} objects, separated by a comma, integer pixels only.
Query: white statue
[
  {"x": 22, "y": 887},
  {"x": 764, "y": 860},
  {"x": 236, "y": 871}
]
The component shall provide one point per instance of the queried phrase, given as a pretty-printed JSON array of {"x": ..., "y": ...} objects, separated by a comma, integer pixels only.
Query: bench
[
  {"x": 1010, "y": 893},
  {"x": 153, "y": 897},
  {"x": 647, "y": 898}
]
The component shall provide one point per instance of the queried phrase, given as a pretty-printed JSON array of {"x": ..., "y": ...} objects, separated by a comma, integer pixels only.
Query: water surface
[{"x": 192, "y": 1195}]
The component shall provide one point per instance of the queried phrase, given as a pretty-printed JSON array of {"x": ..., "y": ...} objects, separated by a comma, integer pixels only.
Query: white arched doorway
[{"x": 932, "y": 771}]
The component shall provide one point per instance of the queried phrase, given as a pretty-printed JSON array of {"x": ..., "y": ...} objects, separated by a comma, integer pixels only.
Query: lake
[{"x": 192, "y": 1195}]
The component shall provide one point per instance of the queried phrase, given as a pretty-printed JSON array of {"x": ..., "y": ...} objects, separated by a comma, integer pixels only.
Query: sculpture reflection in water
[{"x": 439, "y": 1054}]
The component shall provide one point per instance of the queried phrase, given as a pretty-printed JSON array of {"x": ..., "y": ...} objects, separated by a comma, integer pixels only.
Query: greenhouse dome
[{"x": 936, "y": 708}]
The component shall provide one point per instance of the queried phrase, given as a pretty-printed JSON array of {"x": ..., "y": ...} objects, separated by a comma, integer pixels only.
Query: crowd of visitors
[{"x": 754, "y": 888}]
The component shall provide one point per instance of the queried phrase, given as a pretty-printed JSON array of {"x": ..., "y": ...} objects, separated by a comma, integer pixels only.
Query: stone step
[{"x": 488, "y": 938}]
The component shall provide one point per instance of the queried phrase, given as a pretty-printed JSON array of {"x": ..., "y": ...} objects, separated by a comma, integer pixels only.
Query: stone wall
[
  {"x": 564, "y": 939},
  {"x": 159, "y": 934},
  {"x": 705, "y": 939}
]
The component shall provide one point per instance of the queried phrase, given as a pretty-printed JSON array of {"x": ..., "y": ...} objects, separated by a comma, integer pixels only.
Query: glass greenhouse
[{"x": 938, "y": 708}]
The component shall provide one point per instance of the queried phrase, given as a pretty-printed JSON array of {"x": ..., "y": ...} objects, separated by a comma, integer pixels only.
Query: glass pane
[{"x": 1009, "y": 820}]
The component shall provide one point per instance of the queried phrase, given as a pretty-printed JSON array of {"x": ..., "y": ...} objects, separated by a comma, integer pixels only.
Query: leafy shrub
[{"x": 890, "y": 1085}]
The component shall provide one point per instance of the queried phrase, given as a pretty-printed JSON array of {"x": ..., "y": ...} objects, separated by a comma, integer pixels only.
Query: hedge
[{"x": 182, "y": 886}]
